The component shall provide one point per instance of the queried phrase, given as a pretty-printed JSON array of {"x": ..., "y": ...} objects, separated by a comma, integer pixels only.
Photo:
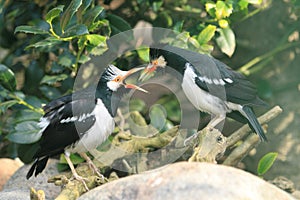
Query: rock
[
  {"x": 189, "y": 181},
  {"x": 7, "y": 168},
  {"x": 15, "y": 194},
  {"x": 18, "y": 187}
]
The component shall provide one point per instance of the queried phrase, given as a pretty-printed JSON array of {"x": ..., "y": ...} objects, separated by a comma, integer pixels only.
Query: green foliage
[
  {"x": 266, "y": 162},
  {"x": 7, "y": 78},
  {"x": 48, "y": 41},
  {"x": 63, "y": 164}
]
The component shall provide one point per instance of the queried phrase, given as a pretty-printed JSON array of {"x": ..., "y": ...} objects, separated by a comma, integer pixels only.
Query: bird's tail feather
[
  {"x": 37, "y": 167},
  {"x": 253, "y": 123}
]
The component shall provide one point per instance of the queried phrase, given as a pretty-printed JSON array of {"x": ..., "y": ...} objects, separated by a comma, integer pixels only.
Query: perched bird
[
  {"x": 210, "y": 85},
  {"x": 81, "y": 121}
]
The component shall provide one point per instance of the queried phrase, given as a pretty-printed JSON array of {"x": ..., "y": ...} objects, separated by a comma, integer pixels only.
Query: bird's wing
[
  {"x": 88, "y": 93},
  {"x": 65, "y": 122},
  {"x": 217, "y": 78}
]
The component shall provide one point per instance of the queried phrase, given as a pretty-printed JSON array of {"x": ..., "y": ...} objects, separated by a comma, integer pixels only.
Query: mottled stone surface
[{"x": 189, "y": 181}]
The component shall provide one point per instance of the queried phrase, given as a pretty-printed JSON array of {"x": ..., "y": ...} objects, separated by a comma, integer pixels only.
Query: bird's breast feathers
[
  {"x": 91, "y": 128},
  {"x": 202, "y": 99},
  {"x": 98, "y": 133}
]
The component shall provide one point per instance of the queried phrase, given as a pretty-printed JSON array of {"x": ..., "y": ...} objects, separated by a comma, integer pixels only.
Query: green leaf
[
  {"x": 166, "y": 18},
  {"x": 91, "y": 15},
  {"x": 171, "y": 105},
  {"x": 48, "y": 42},
  {"x": 206, "y": 34},
  {"x": 53, "y": 13},
  {"x": 83, "y": 59},
  {"x": 206, "y": 48},
  {"x": 85, "y": 4},
  {"x": 223, "y": 9},
  {"x": 226, "y": 41},
  {"x": 158, "y": 116},
  {"x": 194, "y": 42},
  {"x": 56, "y": 68},
  {"x": 210, "y": 8},
  {"x": 51, "y": 80},
  {"x": 69, "y": 12},
  {"x": 98, "y": 50},
  {"x": 144, "y": 54},
  {"x": 75, "y": 158},
  {"x": 95, "y": 39},
  {"x": 243, "y": 4},
  {"x": 50, "y": 92},
  {"x": 178, "y": 26},
  {"x": 30, "y": 29},
  {"x": 66, "y": 59},
  {"x": 266, "y": 162},
  {"x": 26, "y": 132},
  {"x": 7, "y": 104},
  {"x": 156, "y": 5},
  {"x": 75, "y": 31},
  {"x": 7, "y": 78},
  {"x": 101, "y": 24},
  {"x": 97, "y": 45},
  {"x": 26, "y": 115},
  {"x": 62, "y": 167},
  {"x": 255, "y": 1},
  {"x": 117, "y": 24}
]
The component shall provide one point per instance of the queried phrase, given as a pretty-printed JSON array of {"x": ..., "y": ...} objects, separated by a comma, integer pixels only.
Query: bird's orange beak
[{"x": 132, "y": 86}]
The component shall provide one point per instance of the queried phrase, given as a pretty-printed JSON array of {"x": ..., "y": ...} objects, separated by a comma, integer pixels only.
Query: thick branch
[{"x": 211, "y": 144}]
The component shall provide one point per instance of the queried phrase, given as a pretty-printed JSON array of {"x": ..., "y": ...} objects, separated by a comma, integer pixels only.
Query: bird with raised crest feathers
[{"x": 81, "y": 121}]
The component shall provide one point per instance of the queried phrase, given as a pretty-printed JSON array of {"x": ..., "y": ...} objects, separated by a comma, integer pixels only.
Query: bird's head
[
  {"x": 149, "y": 71},
  {"x": 115, "y": 78}
]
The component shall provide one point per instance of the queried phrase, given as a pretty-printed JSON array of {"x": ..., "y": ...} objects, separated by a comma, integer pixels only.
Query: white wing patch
[
  {"x": 228, "y": 80},
  {"x": 206, "y": 79},
  {"x": 76, "y": 118}
]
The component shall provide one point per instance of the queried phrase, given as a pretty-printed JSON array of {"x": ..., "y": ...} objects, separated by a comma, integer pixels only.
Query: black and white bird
[
  {"x": 81, "y": 121},
  {"x": 210, "y": 85}
]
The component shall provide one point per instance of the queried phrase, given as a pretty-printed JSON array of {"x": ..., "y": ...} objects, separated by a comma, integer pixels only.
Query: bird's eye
[
  {"x": 117, "y": 79},
  {"x": 219, "y": 139}
]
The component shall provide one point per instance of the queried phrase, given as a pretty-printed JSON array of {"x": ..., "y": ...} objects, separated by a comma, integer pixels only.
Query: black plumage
[
  {"x": 218, "y": 86},
  {"x": 82, "y": 120}
]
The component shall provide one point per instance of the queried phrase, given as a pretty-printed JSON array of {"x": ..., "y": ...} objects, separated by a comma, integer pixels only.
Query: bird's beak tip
[{"x": 135, "y": 87}]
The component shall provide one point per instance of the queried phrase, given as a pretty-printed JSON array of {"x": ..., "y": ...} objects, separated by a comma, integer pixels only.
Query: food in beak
[{"x": 148, "y": 72}]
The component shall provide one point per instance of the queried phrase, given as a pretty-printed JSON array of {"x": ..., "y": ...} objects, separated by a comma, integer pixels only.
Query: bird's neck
[{"x": 109, "y": 98}]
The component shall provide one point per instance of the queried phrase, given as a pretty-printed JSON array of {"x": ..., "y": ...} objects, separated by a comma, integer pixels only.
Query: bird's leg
[
  {"x": 216, "y": 120},
  {"x": 75, "y": 175},
  {"x": 92, "y": 166}
]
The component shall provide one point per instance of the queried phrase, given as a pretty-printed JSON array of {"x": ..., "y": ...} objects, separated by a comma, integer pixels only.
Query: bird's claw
[
  {"x": 82, "y": 180},
  {"x": 95, "y": 170}
]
